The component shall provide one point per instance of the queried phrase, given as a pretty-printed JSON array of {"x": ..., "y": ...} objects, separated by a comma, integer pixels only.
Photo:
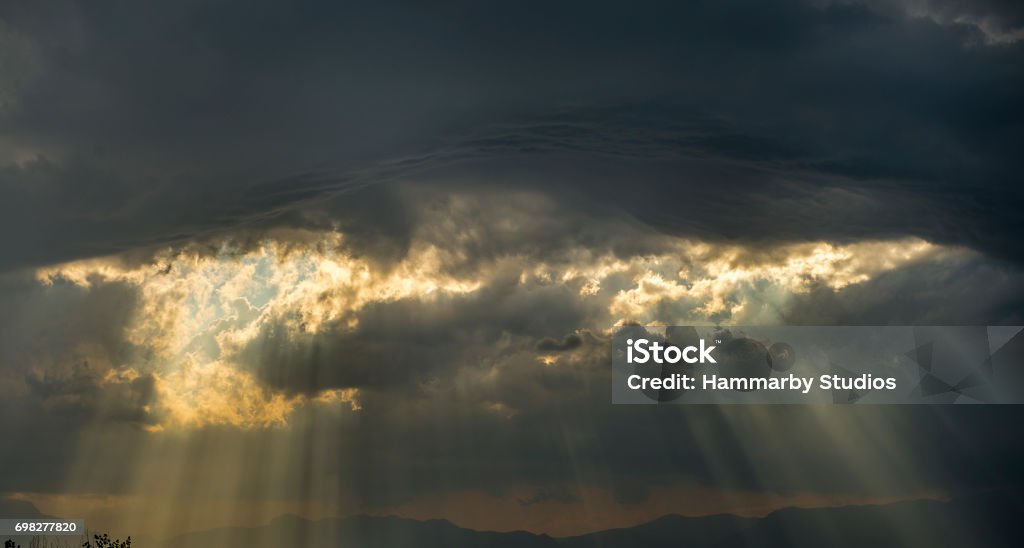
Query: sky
[{"x": 338, "y": 259}]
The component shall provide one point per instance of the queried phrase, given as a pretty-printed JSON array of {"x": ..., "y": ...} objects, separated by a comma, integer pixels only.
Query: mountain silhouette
[
  {"x": 671, "y": 530},
  {"x": 359, "y": 531},
  {"x": 986, "y": 519}
]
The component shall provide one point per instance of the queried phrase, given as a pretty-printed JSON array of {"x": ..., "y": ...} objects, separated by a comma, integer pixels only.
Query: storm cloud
[
  {"x": 376, "y": 249},
  {"x": 133, "y": 126}
]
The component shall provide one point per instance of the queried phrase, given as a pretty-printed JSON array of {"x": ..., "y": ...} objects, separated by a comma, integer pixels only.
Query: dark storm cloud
[
  {"x": 411, "y": 341},
  {"x": 970, "y": 292},
  {"x": 62, "y": 325},
  {"x": 140, "y": 125},
  {"x": 993, "y": 22},
  {"x": 86, "y": 394},
  {"x": 570, "y": 342}
]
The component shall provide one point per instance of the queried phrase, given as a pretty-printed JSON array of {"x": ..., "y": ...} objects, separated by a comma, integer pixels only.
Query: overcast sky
[{"x": 332, "y": 259}]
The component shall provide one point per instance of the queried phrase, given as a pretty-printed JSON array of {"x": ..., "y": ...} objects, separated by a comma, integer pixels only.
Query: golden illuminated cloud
[{"x": 196, "y": 312}]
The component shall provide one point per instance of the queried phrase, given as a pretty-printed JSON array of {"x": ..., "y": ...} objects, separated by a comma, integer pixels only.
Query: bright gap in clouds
[{"x": 197, "y": 314}]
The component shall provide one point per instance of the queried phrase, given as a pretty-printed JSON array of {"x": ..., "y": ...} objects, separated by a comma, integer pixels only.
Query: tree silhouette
[
  {"x": 99, "y": 541},
  {"x": 104, "y": 541}
]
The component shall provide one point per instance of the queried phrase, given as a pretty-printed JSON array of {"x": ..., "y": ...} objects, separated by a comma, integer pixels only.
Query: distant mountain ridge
[
  {"x": 362, "y": 531},
  {"x": 987, "y": 519},
  {"x": 982, "y": 520}
]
